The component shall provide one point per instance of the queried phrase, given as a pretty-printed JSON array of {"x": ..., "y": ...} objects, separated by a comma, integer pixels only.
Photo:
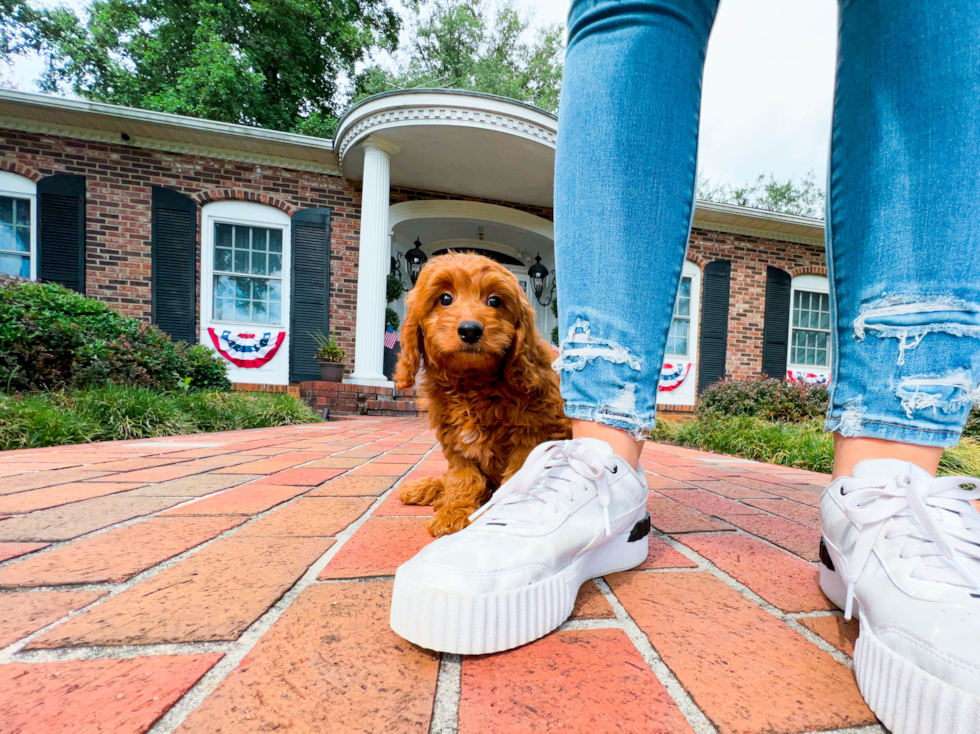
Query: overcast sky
[{"x": 768, "y": 86}]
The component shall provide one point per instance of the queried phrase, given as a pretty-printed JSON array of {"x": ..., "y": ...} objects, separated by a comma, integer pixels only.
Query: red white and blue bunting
[
  {"x": 245, "y": 349},
  {"x": 810, "y": 378},
  {"x": 672, "y": 376}
]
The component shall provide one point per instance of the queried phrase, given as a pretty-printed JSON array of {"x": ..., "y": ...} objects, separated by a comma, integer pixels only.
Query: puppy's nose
[{"x": 470, "y": 331}]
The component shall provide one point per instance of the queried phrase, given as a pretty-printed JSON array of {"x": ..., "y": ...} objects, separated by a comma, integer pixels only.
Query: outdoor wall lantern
[
  {"x": 415, "y": 259},
  {"x": 539, "y": 279}
]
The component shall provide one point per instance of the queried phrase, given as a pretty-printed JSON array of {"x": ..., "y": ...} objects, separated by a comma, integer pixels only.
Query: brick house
[{"x": 249, "y": 240}]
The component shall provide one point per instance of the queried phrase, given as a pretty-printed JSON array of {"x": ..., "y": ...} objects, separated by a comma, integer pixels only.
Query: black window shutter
[
  {"x": 775, "y": 335},
  {"x": 61, "y": 230},
  {"x": 174, "y": 264},
  {"x": 714, "y": 322},
  {"x": 311, "y": 290}
]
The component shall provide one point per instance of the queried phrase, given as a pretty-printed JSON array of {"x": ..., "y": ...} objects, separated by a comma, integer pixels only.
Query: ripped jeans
[{"x": 903, "y": 219}]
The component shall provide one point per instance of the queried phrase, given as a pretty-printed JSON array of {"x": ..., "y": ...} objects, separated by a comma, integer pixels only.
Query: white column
[{"x": 374, "y": 262}]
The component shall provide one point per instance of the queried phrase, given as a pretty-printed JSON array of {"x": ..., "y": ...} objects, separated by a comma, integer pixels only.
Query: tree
[
  {"x": 269, "y": 63},
  {"x": 465, "y": 44},
  {"x": 804, "y": 198}
]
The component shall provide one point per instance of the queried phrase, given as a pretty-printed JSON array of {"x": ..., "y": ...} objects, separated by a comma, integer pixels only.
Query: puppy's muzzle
[{"x": 470, "y": 331}]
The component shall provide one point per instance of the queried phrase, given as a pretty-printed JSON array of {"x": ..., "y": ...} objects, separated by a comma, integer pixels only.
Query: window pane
[
  {"x": 23, "y": 212},
  {"x": 825, "y": 320},
  {"x": 242, "y": 238},
  {"x": 258, "y": 263},
  {"x": 224, "y": 309},
  {"x": 15, "y": 265},
  {"x": 275, "y": 265},
  {"x": 242, "y": 311},
  {"x": 6, "y": 210},
  {"x": 241, "y": 261},
  {"x": 275, "y": 290},
  {"x": 224, "y": 286},
  {"x": 259, "y": 314},
  {"x": 23, "y": 242},
  {"x": 7, "y": 241},
  {"x": 222, "y": 235},
  {"x": 274, "y": 311},
  {"x": 275, "y": 240},
  {"x": 685, "y": 289},
  {"x": 259, "y": 290},
  {"x": 684, "y": 307},
  {"x": 681, "y": 347},
  {"x": 243, "y": 287},
  {"x": 259, "y": 237},
  {"x": 222, "y": 259}
]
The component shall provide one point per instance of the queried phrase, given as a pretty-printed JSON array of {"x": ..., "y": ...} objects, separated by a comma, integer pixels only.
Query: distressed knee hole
[
  {"x": 579, "y": 348},
  {"x": 910, "y": 320}
]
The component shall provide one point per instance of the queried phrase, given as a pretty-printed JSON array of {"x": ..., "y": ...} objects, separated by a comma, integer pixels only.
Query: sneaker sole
[
  {"x": 905, "y": 698},
  {"x": 476, "y": 624}
]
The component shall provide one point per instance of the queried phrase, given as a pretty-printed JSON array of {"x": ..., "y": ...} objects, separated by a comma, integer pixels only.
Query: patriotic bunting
[
  {"x": 672, "y": 376},
  {"x": 810, "y": 378},
  {"x": 247, "y": 350}
]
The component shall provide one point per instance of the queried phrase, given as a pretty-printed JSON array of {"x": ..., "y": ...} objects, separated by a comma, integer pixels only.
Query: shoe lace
[
  {"x": 551, "y": 470},
  {"x": 922, "y": 510}
]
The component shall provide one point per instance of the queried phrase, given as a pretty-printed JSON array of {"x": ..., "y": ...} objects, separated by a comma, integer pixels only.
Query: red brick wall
[
  {"x": 118, "y": 184},
  {"x": 747, "y": 301}
]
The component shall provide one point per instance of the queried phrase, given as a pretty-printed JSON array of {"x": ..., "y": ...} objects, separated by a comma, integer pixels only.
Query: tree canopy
[
  {"x": 467, "y": 44},
  {"x": 804, "y": 197},
  {"x": 271, "y": 63}
]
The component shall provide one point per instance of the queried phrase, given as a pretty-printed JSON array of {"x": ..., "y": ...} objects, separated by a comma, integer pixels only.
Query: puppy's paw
[
  {"x": 422, "y": 491},
  {"x": 449, "y": 520}
]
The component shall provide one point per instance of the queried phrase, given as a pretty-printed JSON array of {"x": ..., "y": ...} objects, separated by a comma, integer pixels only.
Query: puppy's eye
[
  {"x": 494, "y": 302},
  {"x": 445, "y": 299}
]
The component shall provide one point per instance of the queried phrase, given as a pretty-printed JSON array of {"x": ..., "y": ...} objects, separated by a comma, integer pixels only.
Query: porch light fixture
[
  {"x": 539, "y": 279},
  {"x": 415, "y": 259}
]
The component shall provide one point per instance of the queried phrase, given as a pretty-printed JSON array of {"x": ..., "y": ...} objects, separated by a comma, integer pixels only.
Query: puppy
[{"x": 489, "y": 387}]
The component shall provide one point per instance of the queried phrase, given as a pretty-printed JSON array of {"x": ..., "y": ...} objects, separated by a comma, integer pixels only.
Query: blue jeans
[{"x": 903, "y": 220}]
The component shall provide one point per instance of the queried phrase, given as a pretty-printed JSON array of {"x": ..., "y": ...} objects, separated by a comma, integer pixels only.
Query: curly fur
[{"x": 490, "y": 403}]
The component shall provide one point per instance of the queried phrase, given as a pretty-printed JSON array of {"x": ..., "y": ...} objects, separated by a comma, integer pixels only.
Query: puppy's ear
[
  {"x": 412, "y": 341},
  {"x": 524, "y": 359}
]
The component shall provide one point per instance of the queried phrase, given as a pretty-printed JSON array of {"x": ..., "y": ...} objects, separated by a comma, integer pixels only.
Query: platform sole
[
  {"x": 476, "y": 624},
  {"x": 906, "y": 699}
]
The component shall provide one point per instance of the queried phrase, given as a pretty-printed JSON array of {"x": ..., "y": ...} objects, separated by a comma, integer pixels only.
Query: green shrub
[
  {"x": 52, "y": 337},
  {"x": 208, "y": 369},
  {"x": 779, "y": 400},
  {"x": 123, "y": 412},
  {"x": 216, "y": 411},
  {"x": 34, "y": 421}
]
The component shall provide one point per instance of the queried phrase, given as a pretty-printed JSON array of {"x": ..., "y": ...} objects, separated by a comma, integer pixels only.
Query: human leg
[
  {"x": 902, "y": 548},
  {"x": 625, "y": 170},
  {"x": 624, "y": 193}
]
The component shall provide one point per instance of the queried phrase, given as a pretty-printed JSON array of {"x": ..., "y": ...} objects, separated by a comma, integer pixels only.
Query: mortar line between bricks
[
  {"x": 11, "y": 652},
  {"x": 706, "y": 565},
  {"x": 238, "y": 649},
  {"x": 694, "y": 715},
  {"x": 55, "y": 545},
  {"x": 449, "y": 691}
]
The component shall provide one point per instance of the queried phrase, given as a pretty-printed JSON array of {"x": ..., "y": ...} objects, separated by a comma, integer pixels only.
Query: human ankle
[
  {"x": 623, "y": 445},
  {"x": 849, "y": 452}
]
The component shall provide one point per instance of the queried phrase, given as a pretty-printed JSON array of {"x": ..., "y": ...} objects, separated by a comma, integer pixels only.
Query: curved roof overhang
[{"x": 456, "y": 142}]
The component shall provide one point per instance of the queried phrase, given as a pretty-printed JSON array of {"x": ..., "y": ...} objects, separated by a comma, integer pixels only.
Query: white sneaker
[
  {"x": 575, "y": 511},
  {"x": 902, "y": 550}
]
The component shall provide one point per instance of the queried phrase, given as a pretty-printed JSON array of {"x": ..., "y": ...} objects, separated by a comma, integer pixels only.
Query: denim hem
[
  {"x": 886, "y": 431},
  {"x": 637, "y": 427}
]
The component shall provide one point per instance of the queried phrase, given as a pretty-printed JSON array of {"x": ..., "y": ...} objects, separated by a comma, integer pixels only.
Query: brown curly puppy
[{"x": 489, "y": 387}]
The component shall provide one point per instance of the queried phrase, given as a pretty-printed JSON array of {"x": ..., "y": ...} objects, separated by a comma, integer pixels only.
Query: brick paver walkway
[{"x": 240, "y": 582}]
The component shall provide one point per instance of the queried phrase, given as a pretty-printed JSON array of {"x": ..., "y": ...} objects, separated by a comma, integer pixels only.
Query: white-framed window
[
  {"x": 247, "y": 274},
  {"x": 809, "y": 328},
  {"x": 18, "y": 225},
  {"x": 679, "y": 335},
  {"x": 245, "y": 261}
]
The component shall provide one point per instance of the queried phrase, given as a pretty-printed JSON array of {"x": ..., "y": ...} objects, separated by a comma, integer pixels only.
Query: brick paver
[{"x": 323, "y": 658}]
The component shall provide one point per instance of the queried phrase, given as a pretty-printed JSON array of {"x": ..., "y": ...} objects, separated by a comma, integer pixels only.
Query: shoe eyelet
[{"x": 615, "y": 469}]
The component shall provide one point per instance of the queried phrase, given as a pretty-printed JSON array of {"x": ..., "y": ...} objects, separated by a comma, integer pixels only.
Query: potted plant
[{"x": 331, "y": 357}]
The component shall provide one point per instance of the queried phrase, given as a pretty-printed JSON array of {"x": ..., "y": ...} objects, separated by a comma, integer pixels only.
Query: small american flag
[{"x": 391, "y": 338}]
